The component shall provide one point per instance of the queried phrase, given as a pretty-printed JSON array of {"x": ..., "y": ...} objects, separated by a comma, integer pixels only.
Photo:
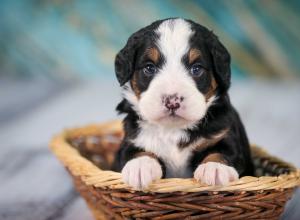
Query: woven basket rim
[{"x": 92, "y": 175}]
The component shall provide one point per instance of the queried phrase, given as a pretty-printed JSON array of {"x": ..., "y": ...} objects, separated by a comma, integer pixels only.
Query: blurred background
[
  {"x": 56, "y": 71},
  {"x": 74, "y": 39}
]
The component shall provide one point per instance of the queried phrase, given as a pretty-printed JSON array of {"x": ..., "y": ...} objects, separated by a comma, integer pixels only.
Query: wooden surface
[{"x": 35, "y": 186}]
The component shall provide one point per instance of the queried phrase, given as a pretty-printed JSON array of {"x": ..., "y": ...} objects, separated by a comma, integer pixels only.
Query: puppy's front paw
[
  {"x": 141, "y": 171},
  {"x": 212, "y": 173}
]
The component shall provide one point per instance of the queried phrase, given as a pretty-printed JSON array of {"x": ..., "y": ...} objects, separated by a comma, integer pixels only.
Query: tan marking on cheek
[
  {"x": 134, "y": 85},
  {"x": 194, "y": 54},
  {"x": 208, "y": 142},
  {"x": 212, "y": 89},
  {"x": 214, "y": 157},
  {"x": 153, "y": 54}
]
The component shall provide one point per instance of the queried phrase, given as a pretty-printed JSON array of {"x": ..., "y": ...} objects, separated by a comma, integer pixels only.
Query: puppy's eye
[
  {"x": 197, "y": 70},
  {"x": 150, "y": 69}
]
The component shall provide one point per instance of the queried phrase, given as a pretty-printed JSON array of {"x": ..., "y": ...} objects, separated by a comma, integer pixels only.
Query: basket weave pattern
[{"x": 88, "y": 152}]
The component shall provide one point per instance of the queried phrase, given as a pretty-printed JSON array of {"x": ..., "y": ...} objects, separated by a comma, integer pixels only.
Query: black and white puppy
[{"x": 179, "y": 121}]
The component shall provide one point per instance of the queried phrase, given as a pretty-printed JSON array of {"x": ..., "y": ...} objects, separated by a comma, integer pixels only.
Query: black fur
[
  {"x": 126, "y": 59},
  {"x": 219, "y": 56},
  {"x": 216, "y": 60}
]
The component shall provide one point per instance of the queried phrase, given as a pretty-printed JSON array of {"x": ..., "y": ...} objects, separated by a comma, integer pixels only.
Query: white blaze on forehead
[
  {"x": 173, "y": 43},
  {"x": 174, "y": 35}
]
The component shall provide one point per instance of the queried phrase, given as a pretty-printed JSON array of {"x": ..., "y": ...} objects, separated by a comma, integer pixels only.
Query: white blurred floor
[{"x": 35, "y": 186}]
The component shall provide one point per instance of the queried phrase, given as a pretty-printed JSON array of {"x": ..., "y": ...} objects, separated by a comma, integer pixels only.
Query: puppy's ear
[
  {"x": 221, "y": 63},
  {"x": 125, "y": 59}
]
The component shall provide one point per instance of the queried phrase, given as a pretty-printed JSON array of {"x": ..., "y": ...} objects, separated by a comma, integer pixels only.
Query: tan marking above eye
[
  {"x": 153, "y": 54},
  {"x": 194, "y": 54}
]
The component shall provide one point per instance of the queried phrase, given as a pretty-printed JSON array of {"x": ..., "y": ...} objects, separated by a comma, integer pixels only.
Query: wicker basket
[{"x": 88, "y": 152}]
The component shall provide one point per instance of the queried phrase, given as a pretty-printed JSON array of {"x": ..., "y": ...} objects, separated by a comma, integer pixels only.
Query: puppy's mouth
[
  {"x": 172, "y": 120},
  {"x": 174, "y": 116},
  {"x": 171, "y": 115}
]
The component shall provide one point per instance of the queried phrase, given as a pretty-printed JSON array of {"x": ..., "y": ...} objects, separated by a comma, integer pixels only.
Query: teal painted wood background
[{"x": 79, "y": 39}]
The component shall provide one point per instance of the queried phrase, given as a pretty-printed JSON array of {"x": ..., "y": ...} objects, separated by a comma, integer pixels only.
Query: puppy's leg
[
  {"x": 214, "y": 170},
  {"x": 141, "y": 171}
]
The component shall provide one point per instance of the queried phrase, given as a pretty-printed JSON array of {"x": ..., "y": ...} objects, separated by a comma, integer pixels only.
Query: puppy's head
[{"x": 172, "y": 71}]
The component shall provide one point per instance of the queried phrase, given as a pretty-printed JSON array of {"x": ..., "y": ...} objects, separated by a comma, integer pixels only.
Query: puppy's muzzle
[{"x": 172, "y": 102}]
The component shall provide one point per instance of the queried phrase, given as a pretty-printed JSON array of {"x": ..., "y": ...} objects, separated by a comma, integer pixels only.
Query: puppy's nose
[{"x": 172, "y": 102}]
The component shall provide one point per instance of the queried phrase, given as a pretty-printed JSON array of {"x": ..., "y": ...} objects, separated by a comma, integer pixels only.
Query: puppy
[{"x": 179, "y": 121}]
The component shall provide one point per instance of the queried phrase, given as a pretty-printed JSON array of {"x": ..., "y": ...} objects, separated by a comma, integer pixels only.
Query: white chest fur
[{"x": 163, "y": 143}]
